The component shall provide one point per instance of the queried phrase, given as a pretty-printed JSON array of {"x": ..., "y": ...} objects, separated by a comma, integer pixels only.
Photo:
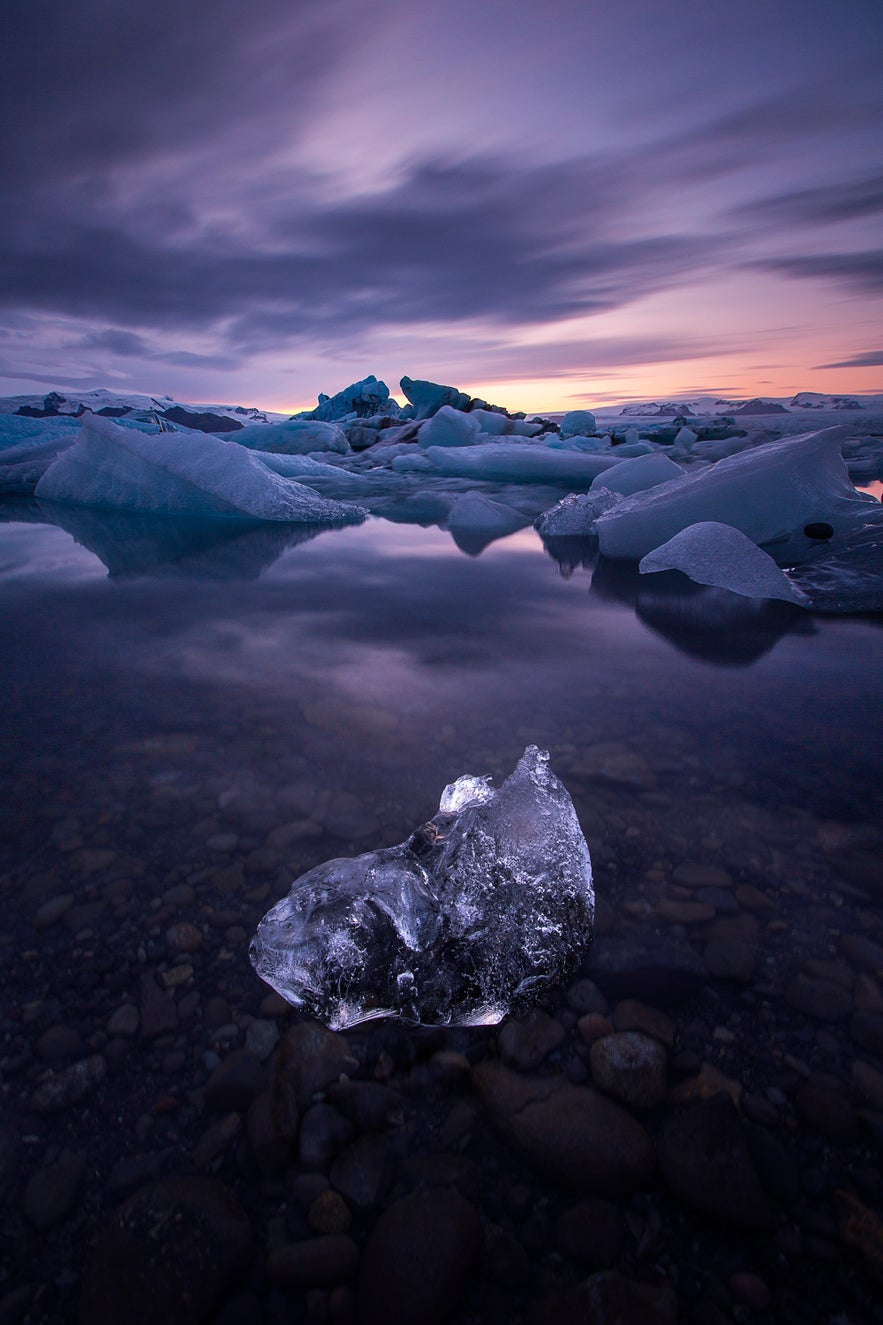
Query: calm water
[{"x": 175, "y": 696}]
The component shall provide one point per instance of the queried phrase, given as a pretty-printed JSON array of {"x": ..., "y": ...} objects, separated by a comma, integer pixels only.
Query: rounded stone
[
  {"x": 184, "y": 937},
  {"x": 631, "y": 1067},
  {"x": 574, "y": 1136},
  {"x": 821, "y": 999},
  {"x": 320, "y": 1262},
  {"x": 169, "y": 1253},
  {"x": 418, "y": 1260}
]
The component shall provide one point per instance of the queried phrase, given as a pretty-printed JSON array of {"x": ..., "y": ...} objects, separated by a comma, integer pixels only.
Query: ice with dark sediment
[{"x": 480, "y": 912}]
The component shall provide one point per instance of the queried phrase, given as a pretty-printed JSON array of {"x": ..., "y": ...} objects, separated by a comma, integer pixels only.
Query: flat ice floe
[
  {"x": 115, "y": 468},
  {"x": 770, "y": 493},
  {"x": 719, "y": 555}
]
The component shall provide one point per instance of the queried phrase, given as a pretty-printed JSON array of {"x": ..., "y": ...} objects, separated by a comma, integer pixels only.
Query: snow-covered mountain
[{"x": 115, "y": 404}]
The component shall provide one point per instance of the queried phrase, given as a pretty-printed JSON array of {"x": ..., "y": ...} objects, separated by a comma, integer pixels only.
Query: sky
[{"x": 547, "y": 203}]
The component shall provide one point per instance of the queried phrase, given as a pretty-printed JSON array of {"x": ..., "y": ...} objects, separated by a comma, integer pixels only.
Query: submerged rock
[{"x": 484, "y": 908}]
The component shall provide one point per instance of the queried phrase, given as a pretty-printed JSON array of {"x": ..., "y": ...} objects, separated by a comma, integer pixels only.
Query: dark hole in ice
[{"x": 818, "y": 529}]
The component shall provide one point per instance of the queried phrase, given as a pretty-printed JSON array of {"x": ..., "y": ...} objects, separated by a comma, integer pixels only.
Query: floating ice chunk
[
  {"x": 294, "y": 437},
  {"x": 575, "y": 515},
  {"x": 686, "y": 438},
  {"x": 362, "y": 399},
  {"x": 516, "y": 462},
  {"x": 450, "y": 427},
  {"x": 428, "y": 397},
  {"x": 22, "y": 467},
  {"x": 578, "y": 422},
  {"x": 628, "y": 450},
  {"x": 767, "y": 493},
  {"x": 495, "y": 424},
  {"x": 848, "y": 576},
  {"x": 635, "y": 475},
  {"x": 579, "y": 443},
  {"x": 114, "y": 468},
  {"x": 719, "y": 555},
  {"x": 482, "y": 910},
  {"x": 475, "y": 521}
]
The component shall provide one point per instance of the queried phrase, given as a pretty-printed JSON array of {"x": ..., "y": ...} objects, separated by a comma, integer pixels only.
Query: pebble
[
  {"x": 70, "y": 1085},
  {"x": 706, "y": 1161},
  {"x": 184, "y": 937},
  {"x": 125, "y": 1021},
  {"x": 52, "y": 911},
  {"x": 59, "y": 1042},
  {"x": 867, "y": 1082},
  {"x": 323, "y": 1132},
  {"x": 632, "y": 1015},
  {"x": 261, "y": 1038},
  {"x": 361, "y": 1172},
  {"x": 653, "y": 968},
  {"x": 821, "y": 999},
  {"x": 318, "y": 1262},
  {"x": 157, "y": 1009},
  {"x": 236, "y": 1081},
  {"x": 631, "y": 1067},
  {"x": 308, "y": 1059},
  {"x": 418, "y": 1260},
  {"x": 694, "y": 875},
  {"x": 750, "y": 1289},
  {"x": 52, "y": 1191},
  {"x": 170, "y": 1252},
  {"x": 731, "y": 959},
  {"x": 329, "y": 1213},
  {"x": 590, "y": 1233},
  {"x": 526, "y": 1042},
  {"x": 571, "y": 1134}
]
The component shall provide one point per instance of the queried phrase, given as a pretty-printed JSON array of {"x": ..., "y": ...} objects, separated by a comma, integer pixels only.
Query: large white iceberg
[
  {"x": 770, "y": 493},
  {"x": 639, "y": 473},
  {"x": 719, "y": 555},
  {"x": 450, "y": 427},
  {"x": 294, "y": 437},
  {"x": 518, "y": 462},
  {"x": 115, "y": 468}
]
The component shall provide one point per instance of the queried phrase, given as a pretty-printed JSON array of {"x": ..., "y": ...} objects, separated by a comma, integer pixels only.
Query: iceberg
[
  {"x": 770, "y": 493},
  {"x": 295, "y": 437},
  {"x": 639, "y": 473},
  {"x": 577, "y": 423},
  {"x": 114, "y": 468},
  {"x": 721, "y": 556},
  {"x": 362, "y": 399},
  {"x": 575, "y": 514},
  {"x": 475, "y": 521},
  {"x": 427, "y": 398},
  {"x": 449, "y": 427},
  {"x": 519, "y": 462},
  {"x": 481, "y": 911}
]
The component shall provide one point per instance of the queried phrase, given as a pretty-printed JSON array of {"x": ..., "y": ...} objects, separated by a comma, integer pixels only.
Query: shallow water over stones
[{"x": 691, "y": 1129}]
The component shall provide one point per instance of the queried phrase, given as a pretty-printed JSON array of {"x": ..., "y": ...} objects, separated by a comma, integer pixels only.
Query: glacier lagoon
[{"x": 198, "y": 713}]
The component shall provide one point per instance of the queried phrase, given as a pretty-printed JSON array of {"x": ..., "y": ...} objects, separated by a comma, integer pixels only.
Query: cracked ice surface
[{"x": 476, "y": 915}]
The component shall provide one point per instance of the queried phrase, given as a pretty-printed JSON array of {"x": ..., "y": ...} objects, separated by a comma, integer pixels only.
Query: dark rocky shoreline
[{"x": 692, "y": 1133}]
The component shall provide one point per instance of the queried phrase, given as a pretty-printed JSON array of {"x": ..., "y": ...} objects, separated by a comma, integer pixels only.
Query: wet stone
[
  {"x": 319, "y": 1262},
  {"x": 52, "y": 1191},
  {"x": 590, "y": 1233},
  {"x": 362, "y": 1172},
  {"x": 632, "y": 1015},
  {"x": 866, "y": 1030},
  {"x": 235, "y": 1082},
  {"x": 125, "y": 1021},
  {"x": 157, "y": 1008},
  {"x": 821, "y": 999},
  {"x": 270, "y": 1150},
  {"x": 731, "y": 959},
  {"x": 706, "y": 1161},
  {"x": 418, "y": 1260},
  {"x": 261, "y": 1038},
  {"x": 608, "y": 1298},
  {"x": 524, "y": 1043},
  {"x": 329, "y": 1213},
  {"x": 694, "y": 875},
  {"x": 631, "y": 1067},
  {"x": 171, "y": 1252},
  {"x": 862, "y": 951},
  {"x": 308, "y": 1059},
  {"x": 323, "y": 1132},
  {"x": 573, "y": 1135},
  {"x": 184, "y": 937},
  {"x": 70, "y": 1085},
  {"x": 654, "y": 969},
  {"x": 58, "y": 1043},
  {"x": 826, "y": 1110},
  {"x": 52, "y": 911}
]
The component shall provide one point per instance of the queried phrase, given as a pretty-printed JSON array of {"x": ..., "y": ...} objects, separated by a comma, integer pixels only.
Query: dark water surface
[{"x": 194, "y": 715}]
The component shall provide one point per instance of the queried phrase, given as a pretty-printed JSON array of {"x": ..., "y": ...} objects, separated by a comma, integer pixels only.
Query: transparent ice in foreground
[{"x": 476, "y": 915}]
